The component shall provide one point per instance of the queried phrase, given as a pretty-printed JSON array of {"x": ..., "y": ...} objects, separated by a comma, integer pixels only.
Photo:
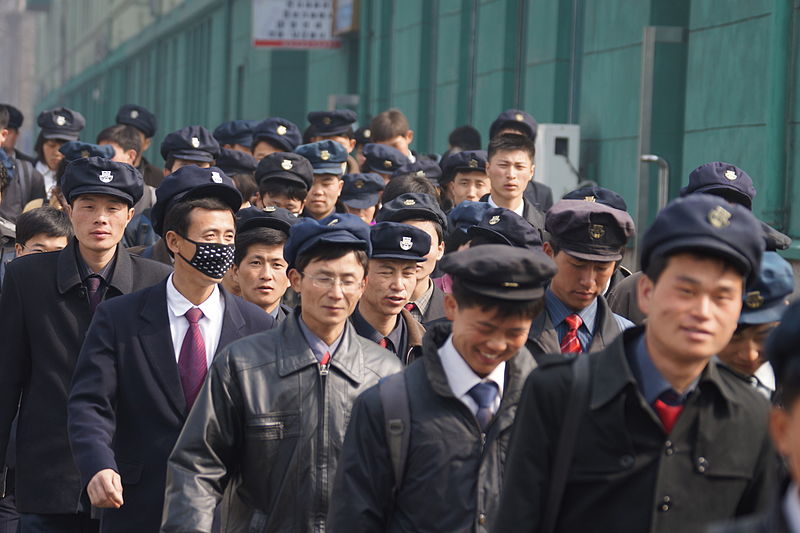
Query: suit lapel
[
  {"x": 156, "y": 339},
  {"x": 232, "y": 322}
]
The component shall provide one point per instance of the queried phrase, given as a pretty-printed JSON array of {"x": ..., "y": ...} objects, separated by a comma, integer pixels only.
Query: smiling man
[
  {"x": 442, "y": 471},
  {"x": 659, "y": 437},
  {"x": 47, "y": 303},
  {"x": 586, "y": 242}
]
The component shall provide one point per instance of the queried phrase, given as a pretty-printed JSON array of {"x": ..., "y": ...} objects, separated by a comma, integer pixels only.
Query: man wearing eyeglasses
[{"x": 271, "y": 417}]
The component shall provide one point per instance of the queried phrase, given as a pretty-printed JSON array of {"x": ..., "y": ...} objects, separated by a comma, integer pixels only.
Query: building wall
[{"x": 721, "y": 82}]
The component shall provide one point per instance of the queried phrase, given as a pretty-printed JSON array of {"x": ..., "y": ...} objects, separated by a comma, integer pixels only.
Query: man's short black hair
[
  {"x": 246, "y": 184},
  {"x": 465, "y": 138},
  {"x": 408, "y": 183},
  {"x": 178, "y": 218},
  {"x": 329, "y": 252},
  {"x": 4, "y": 117},
  {"x": 262, "y": 236},
  {"x": 279, "y": 187},
  {"x": 465, "y": 298},
  {"x": 43, "y": 220},
  {"x": 511, "y": 142},
  {"x": 127, "y": 137}
]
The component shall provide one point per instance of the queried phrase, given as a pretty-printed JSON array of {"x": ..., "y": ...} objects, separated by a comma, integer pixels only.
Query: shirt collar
[
  {"x": 365, "y": 329},
  {"x": 425, "y": 299},
  {"x": 317, "y": 345},
  {"x": 460, "y": 376},
  {"x": 791, "y": 506},
  {"x": 652, "y": 383},
  {"x": 558, "y": 311},
  {"x": 520, "y": 210},
  {"x": 178, "y": 304},
  {"x": 84, "y": 271}
]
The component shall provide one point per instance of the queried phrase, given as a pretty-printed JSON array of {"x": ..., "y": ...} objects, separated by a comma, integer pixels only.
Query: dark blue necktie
[{"x": 484, "y": 394}]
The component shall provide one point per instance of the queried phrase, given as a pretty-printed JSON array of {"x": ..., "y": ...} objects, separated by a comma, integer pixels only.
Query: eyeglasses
[{"x": 328, "y": 282}]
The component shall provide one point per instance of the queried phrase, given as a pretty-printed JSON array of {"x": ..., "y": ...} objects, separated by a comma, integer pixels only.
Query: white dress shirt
[
  {"x": 49, "y": 177},
  {"x": 519, "y": 210},
  {"x": 791, "y": 507},
  {"x": 461, "y": 377},
  {"x": 210, "y": 325}
]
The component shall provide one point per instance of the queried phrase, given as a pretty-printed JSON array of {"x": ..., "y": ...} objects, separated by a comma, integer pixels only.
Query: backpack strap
[
  {"x": 397, "y": 422},
  {"x": 579, "y": 394}
]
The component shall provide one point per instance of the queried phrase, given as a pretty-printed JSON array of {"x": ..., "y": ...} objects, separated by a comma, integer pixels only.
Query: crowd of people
[{"x": 324, "y": 330}]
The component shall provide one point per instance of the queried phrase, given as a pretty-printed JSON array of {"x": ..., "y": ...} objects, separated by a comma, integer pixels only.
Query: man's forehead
[{"x": 511, "y": 155}]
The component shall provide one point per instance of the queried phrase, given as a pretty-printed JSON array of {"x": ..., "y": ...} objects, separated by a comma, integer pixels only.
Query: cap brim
[
  {"x": 364, "y": 202},
  {"x": 772, "y": 313},
  {"x": 395, "y": 255},
  {"x": 192, "y": 155},
  {"x": 264, "y": 222},
  {"x": 733, "y": 191},
  {"x": 101, "y": 189},
  {"x": 337, "y": 169},
  {"x": 284, "y": 176},
  {"x": 493, "y": 236},
  {"x": 414, "y": 213},
  {"x": 60, "y": 135},
  {"x": 229, "y": 195},
  {"x": 504, "y": 293},
  {"x": 593, "y": 257},
  {"x": 338, "y": 237},
  {"x": 275, "y": 142}
]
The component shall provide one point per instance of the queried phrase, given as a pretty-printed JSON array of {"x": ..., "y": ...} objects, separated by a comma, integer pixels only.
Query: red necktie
[
  {"x": 570, "y": 343},
  {"x": 410, "y": 306},
  {"x": 326, "y": 358},
  {"x": 192, "y": 359},
  {"x": 668, "y": 414},
  {"x": 383, "y": 342}
]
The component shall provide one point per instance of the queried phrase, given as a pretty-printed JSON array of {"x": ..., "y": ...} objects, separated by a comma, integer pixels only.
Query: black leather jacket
[{"x": 271, "y": 420}]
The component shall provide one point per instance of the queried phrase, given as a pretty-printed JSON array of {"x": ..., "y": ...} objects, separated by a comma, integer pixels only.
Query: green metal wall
[{"x": 726, "y": 89}]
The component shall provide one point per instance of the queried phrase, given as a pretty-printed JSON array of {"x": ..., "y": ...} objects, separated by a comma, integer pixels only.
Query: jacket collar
[
  {"x": 414, "y": 329},
  {"x": 68, "y": 276},
  {"x": 543, "y": 332},
  {"x": 295, "y": 354}
]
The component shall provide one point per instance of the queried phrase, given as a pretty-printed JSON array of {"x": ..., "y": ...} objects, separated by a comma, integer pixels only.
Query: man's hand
[{"x": 105, "y": 490}]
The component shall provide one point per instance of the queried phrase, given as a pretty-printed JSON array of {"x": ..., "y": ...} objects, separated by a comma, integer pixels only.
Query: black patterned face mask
[{"x": 211, "y": 258}]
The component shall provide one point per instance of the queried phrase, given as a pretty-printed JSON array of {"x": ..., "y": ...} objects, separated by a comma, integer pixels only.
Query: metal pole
[{"x": 663, "y": 177}]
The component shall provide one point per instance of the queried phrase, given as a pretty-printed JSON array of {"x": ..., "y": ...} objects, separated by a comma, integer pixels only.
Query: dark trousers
[
  {"x": 58, "y": 523},
  {"x": 9, "y": 519}
]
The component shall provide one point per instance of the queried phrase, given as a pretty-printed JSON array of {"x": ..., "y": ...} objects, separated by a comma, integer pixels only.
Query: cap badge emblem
[
  {"x": 367, "y": 133},
  {"x": 324, "y": 155},
  {"x": 269, "y": 208},
  {"x": 754, "y": 300},
  {"x": 494, "y": 220},
  {"x": 333, "y": 222},
  {"x": 518, "y": 117},
  {"x": 106, "y": 176},
  {"x": 195, "y": 142},
  {"x": 596, "y": 231},
  {"x": 731, "y": 175},
  {"x": 134, "y": 114},
  {"x": 473, "y": 163},
  {"x": 359, "y": 184},
  {"x": 510, "y": 284},
  {"x": 281, "y": 130},
  {"x": 326, "y": 120},
  {"x": 420, "y": 173},
  {"x": 719, "y": 217},
  {"x": 286, "y": 164},
  {"x": 60, "y": 120},
  {"x": 406, "y": 243},
  {"x": 589, "y": 199},
  {"x": 215, "y": 177},
  {"x": 84, "y": 153},
  {"x": 410, "y": 201},
  {"x": 387, "y": 163}
]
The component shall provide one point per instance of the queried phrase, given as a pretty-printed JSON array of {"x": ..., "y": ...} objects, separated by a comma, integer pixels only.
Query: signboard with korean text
[{"x": 294, "y": 24}]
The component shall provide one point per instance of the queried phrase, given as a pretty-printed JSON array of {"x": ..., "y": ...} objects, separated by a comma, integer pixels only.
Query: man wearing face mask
[{"x": 145, "y": 358}]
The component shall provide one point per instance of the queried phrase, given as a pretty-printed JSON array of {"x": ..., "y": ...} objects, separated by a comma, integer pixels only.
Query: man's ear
[
  {"x": 410, "y": 136},
  {"x": 450, "y": 306},
  {"x": 644, "y": 292},
  {"x": 548, "y": 249},
  {"x": 294, "y": 279}
]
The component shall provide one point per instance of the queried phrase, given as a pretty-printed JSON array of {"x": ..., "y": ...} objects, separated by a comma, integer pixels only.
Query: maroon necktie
[
  {"x": 192, "y": 359},
  {"x": 93, "y": 291},
  {"x": 570, "y": 343}
]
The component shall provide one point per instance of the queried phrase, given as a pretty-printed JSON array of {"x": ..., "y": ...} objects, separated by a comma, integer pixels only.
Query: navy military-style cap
[
  {"x": 235, "y": 132},
  {"x": 589, "y": 230},
  {"x": 192, "y": 143},
  {"x": 722, "y": 179},
  {"x": 361, "y": 191},
  {"x": 466, "y": 161},
  {"x": 363, "y": 136},
  {"x": 601, "y": 195},
  {"x": 139, "y": 117},
  {"x": 327, "y": 157},
  {"x": 332, "y": 123},
  {"x": 382, "y": 159},
  {"x": 517, "y": 119},
  {"x": 503, "y": 226},
  {"x": 271, "y": 217},
  {"x": 709, "y": 225},
  {"x": 191, "y": 182},
  {"x": 422, "y": 168},
  {"x": 15, "y": 117},
  {"x": 97, "y": 175},
  {"x": 767, "y": 299},
  {"x": 392, "y": 240},
  {"x": 281, "y": 133},
  {"x": 339, "y": 229},
  {"x": 73, "y": 150},
  {"x": 236, "y": 162},
  {"x": 501, "y": 271},
  {"x": 287, "y": 166},
  {"x": 61, "y": 123},
  {"x": 781, "y": 346},
  {"x": 467, "y": 214},
  {"x": 412, "y": 206}
]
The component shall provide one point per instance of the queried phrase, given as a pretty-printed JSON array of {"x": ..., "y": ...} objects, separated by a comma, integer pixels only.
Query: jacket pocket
[
  {"x": 130, "y": 473},
  {"x": 273, "y": 426}
]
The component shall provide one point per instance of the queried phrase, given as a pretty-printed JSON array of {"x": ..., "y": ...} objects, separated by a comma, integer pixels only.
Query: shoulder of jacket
[{"x": 379, "y": 360}]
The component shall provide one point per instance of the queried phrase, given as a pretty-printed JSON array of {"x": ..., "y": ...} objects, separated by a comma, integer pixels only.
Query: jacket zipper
[{"x": 321, "y": 440}]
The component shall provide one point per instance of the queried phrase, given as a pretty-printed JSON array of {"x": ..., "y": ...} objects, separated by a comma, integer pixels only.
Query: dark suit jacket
[
  {"x": 126, "y": 407},
  {"x": 435, "y": 309},
  {"x": 156, "y": 251},
  {"x": 45, "y": 316},
  {"x": 540, "y": 195}
]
